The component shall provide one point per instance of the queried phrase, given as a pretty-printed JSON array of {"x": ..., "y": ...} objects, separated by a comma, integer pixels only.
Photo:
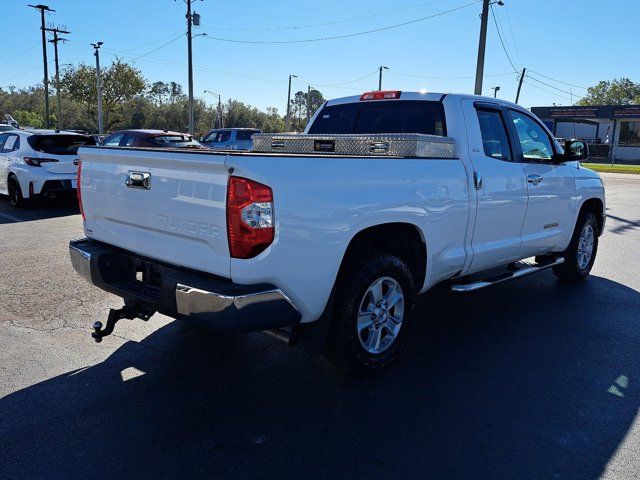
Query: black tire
[
  {"x": 572, "y": 270},
  {"x": 345, "y": 347},
  {"x": 15, "y": 194}
]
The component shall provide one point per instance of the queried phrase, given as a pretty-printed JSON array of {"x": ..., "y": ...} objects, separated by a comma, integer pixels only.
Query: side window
[
  {"x": 223, "y": 137},
  {"x": 128, "y": 140},
  {"x": 12, "y": 143},
  {"x": 534, "y": 141},
  {"x": 3, "y": 138},
  {"x": 494, "y": 135},
  {"x": 113, "y": 140}
]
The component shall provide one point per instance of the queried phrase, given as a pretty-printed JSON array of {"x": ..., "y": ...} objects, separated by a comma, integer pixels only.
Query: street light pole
[
  {"x": 380, "y": 76},
  {"x": 44, "y": 8},
  {"x": 495, "y": 91},
  {"x": 219, "y": 107},
  {"x": 96, "y": 52},
  {"x": 287, "y": 118}
]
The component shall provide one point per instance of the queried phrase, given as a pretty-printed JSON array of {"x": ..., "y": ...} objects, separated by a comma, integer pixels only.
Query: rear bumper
[{"x": 184, "y": 294}]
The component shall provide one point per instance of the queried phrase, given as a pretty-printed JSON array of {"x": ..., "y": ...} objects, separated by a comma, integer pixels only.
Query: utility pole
[
  {"x": 495, "y": 91},
  {"x": 287, "y": 121},
  {"x": 56, "y": 38},
  {"x": 380, "y": 76},
  {"x": 190, "y": 61},
  {"x": 524, "y": 70},
  {"x": 484, "y": 17},
  {"x": 308, "y": 102},
  {"x": 43, "y": 9},
  {"x": 96, "y": 52}
]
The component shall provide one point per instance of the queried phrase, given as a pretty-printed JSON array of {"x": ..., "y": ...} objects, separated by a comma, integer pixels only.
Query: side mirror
[{"x": 576, "y": 150}]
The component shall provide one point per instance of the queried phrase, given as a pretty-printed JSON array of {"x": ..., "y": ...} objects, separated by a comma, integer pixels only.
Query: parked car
[
  {"x": 6, "y": 127},
  {"x": 38, "y": 163},
  {"x": 150, "y": 139},
  {"x": 229, "y": 138},
  {"x": 385, "y": 196}
]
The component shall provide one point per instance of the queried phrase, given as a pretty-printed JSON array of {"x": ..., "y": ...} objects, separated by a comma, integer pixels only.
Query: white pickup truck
[{"x": 326, "y": 238}]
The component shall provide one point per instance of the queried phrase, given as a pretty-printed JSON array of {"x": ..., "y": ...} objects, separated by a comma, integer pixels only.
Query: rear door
[
  {"x": 501, "y": 189},
  {"x": 551, "y": 187},
  {"x": 165, "y": 205}
]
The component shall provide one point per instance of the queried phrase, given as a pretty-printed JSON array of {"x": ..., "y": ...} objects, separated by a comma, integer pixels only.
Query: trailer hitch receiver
[{"x": 128, "y": 311}]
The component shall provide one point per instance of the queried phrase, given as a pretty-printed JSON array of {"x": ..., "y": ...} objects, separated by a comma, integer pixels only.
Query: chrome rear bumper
[{"x": 180, "y": 293}]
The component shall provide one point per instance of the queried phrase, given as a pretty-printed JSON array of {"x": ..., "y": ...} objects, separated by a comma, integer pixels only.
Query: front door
[
  {"x": 500, "y": 187},
  {"x": 551, "y": 186}
]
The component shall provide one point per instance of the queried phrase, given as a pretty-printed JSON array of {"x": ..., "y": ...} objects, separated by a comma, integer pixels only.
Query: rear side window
[
  {"x": 59, "y": 144},
  {"x": 113, "y": 140},
  {"x": 494, "y": 135},
  {"x": 383, "y": 116},
  {"x": 245, "y": 134},
  {"x": 173, "y": 141}
]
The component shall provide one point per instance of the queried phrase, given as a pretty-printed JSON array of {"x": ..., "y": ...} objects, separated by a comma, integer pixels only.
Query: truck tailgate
[{"x": 165, "y": 205}]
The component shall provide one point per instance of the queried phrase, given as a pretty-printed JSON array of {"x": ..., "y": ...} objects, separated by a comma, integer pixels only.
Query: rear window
[
  {"x": 174, "y": 141},
  {"x": 245, "y": 134},
  {"x": 382, "y": 116},
  {"x": 59, "y": 144}
]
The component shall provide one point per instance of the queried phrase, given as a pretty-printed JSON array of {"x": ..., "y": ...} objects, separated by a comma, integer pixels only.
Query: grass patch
[{"x": 608, "y": 168}]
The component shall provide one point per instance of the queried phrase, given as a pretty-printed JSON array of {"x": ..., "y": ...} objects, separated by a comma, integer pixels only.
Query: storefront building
[{"x": 612, "y": 131}]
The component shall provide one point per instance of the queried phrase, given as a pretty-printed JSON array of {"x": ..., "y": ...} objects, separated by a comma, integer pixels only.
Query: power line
[
  {"x": 331, "y": 85},
  {"x": 21, "y": 53},
  {"x": 336, "y": 22},
  {"x": 349, "y": 35},
  {"x": 545, "y": 90},
  {"x": 513, "y": 37},
  {"x": 161, "y": 46},
  {"x": 515, "y": 69},
  {"x": 454, "y": 77},
  {"x": 551, "y": 86},
  {"x": 559, "y": 81}
]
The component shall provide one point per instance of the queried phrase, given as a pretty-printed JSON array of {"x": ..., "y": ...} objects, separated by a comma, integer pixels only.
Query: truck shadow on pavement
[
  {"x": 535, "y": 379},
  {"x": 39, "y": 209}
]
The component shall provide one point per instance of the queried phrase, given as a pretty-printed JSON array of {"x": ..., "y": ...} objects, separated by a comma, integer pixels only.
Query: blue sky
[{"x": 578, "y": 42}]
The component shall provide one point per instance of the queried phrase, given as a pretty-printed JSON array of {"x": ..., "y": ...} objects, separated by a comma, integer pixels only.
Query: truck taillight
[
  {"x": 250, "y": 224},
  {"x": 381, "y": 95},
  {"x": 79, "y": 190}
]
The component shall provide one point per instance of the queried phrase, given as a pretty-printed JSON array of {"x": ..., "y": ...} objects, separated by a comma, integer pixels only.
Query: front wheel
[
  {"x": 581, "y": 253},
  {"x": 373, "y": 311}
]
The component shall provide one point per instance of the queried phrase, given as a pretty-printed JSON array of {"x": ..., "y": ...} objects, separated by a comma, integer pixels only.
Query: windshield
[
  {"x": 391, "y": 116},
  {"x": 59, "y": 144}
]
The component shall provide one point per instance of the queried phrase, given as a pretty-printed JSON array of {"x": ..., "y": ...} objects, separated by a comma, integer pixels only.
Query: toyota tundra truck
[{"x": 324, "y": 239}]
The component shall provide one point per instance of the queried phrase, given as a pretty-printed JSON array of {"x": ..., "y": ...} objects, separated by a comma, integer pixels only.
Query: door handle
[
  {"x": 535, "y": 179},
  {"x": 477, "y": 180},
  {"x": 138, "y": 180}
]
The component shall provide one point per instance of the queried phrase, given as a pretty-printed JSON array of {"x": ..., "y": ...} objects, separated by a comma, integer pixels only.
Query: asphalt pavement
[{"x": 533, "y": 379}]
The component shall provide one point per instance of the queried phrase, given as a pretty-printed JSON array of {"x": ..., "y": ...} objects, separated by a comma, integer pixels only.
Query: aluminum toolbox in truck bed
[{"x": 384, "y": 144}]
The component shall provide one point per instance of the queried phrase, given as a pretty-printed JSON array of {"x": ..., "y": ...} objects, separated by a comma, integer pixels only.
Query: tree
[
  {"x": 158, "y": 91},
  {"x": 301, "y": 102},
  {"x": 619, "y": 91},
  {"x": 120, "y": 84}
]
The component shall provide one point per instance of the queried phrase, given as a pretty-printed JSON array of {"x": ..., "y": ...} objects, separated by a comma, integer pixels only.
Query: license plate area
[{"x": 139, "y": 279}]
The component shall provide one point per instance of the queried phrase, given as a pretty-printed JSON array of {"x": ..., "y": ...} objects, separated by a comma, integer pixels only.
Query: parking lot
[{"x": 533, "y": 379}]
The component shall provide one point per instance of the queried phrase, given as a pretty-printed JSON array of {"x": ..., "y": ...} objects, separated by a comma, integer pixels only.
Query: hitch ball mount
[{"x": 128, "y": 311}]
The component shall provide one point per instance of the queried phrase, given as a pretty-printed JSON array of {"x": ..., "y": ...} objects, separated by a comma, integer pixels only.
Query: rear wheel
[
  {"x": 15, "y": 194},
  {"x": 581, "y": 253},
  {"x": 373, "y": 311}
]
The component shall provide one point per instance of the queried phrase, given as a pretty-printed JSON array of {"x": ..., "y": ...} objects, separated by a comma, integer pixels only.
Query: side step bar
[{"x": 522, "y": 272}]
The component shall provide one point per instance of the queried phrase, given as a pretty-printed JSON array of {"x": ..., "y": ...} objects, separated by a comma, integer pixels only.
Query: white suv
[{"x": 39, "y": 163}]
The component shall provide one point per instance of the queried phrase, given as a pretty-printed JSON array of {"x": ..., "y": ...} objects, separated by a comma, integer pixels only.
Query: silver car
[{"x": 229, "y": 138}]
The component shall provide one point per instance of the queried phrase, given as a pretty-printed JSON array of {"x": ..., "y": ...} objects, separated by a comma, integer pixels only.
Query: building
[{"x": 612, "y": 131}]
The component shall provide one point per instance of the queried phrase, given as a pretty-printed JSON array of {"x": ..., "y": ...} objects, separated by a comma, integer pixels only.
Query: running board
[{"x": 522, "y": 272}]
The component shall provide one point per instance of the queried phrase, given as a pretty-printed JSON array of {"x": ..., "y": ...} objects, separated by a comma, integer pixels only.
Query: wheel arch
[
  {"x": 402, "y": 239},
  {"x": 595, "y": 205}
]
